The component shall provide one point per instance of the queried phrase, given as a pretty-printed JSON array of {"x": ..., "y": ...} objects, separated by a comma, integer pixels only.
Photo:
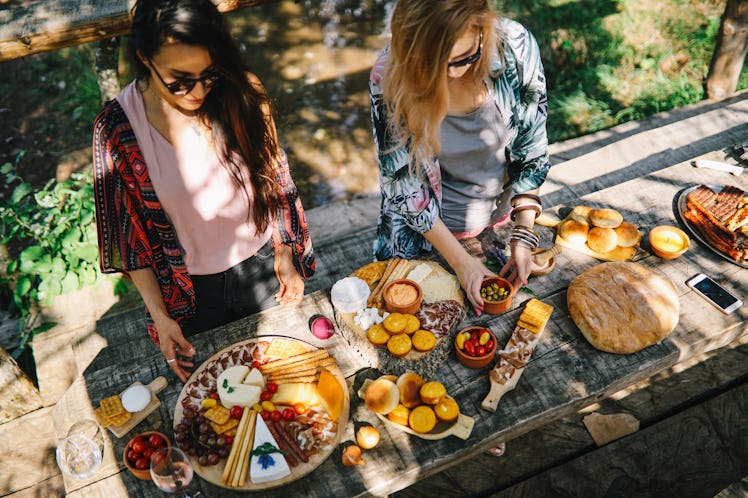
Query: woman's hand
[
  {"x": 172, "y": 343},
  {"x": 291, "y": 284},
  {"x": 518, "y": 268},
  {"x": 471, "y": 272}
]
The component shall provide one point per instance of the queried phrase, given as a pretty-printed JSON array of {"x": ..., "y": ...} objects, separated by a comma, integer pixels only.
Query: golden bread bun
[
  {"x": 581, "y": 214},
  {"x": 423, "y": 340},
  {"x": 573, "y": 231},
  {"x": 623, "y": 307},
  {"x": 605, "y": 218},
  {"x": 422, "y": 419},
  {"x": 395, "y": 323},
  {"x": 377, "y": 335},
  {"x": 399, "y": 415},
  {"x": 447, "y": 410},
  {"x": 433, "y": 392},
  {"x": 628, "y": 235},
  {"x": 602, "y": 239},
  {"x": 399, "y": 345},
  {"x": 382, "y": 396},
  {"x": 409, "y": 385},
  {"x": 412, "y": 323}
]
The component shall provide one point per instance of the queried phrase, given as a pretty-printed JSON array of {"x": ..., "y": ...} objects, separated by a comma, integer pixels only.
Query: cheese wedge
[
  {"x": 232, "y": 391},
  {"x": 255, "y": 378},
  {"x": 330, "y": 393},
  {"x": 278, "y": 469},
  {"x": 290, "y": 394}
]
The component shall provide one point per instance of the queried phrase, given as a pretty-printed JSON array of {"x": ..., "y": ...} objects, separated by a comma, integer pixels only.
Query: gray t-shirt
[{"x": 473, "y": 168}]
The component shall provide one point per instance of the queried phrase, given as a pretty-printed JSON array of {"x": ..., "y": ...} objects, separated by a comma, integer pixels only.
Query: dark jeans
[{"x": 243, "y": 289}]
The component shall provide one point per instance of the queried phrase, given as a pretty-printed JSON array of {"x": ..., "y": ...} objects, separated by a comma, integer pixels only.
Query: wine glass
[
  {"x": 171, "y": 470},
  {"x": 80, "y": 452}
]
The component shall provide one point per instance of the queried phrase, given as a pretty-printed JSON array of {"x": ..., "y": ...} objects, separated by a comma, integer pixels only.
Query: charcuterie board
[
  {"x": 461, "y": 428},
  {"x": 156, "y": 386},
  {"x": 203, "y": 382},
  {"x": 441, "y": 311}
]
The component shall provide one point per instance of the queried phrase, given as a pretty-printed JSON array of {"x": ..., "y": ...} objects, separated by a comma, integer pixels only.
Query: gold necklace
[{"x": 192, "y": 121}]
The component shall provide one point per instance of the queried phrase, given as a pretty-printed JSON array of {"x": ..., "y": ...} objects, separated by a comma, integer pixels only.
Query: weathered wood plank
[
  {"x": 50, "y": 25},
  {"x": 48, "y": 487},
  {"x": 18, "y": 395}
]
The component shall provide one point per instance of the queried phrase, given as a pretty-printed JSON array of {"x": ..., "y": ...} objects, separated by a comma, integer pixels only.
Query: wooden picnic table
[{"x": 564, "y": 375}]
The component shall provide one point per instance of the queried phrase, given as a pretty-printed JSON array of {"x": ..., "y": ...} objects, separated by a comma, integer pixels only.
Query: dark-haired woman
[
  {"x": 195, "y": 200},
  {"x": 459, "y": 107}
]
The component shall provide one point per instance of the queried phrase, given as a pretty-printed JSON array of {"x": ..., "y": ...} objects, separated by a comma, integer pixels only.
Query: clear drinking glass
[
  {"x": 171, "y": 471},
  {"x": 80, "y": 452}
]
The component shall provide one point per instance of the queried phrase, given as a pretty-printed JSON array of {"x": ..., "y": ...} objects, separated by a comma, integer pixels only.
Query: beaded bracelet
[
  {"x": 528, "y": 195},
  {"x": 533, "y": 243},
  {"x": 523, "y": 207}
]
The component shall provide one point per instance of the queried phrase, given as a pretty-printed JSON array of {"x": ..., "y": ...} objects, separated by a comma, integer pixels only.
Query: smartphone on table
[{"x": 717, "y": 295}]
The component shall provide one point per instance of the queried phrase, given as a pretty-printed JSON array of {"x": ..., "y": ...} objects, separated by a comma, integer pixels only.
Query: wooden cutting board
[{"x": 156, "y": 386}]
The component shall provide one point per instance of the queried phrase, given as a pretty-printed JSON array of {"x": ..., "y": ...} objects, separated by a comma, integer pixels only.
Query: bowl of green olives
[{"x": 497, "y": 295}]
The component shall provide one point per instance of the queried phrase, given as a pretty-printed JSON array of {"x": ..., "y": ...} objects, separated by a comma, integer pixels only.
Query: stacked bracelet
[
  {"x": 524, "y": 206},
  {"x": 527, "y": 195},
  {"x": 525, "y": 236}
]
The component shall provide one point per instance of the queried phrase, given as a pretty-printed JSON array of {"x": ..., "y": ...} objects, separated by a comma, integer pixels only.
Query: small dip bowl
[
  {"x": 668, "y": 242},
  {"x": 402, "y": 296},
  {"x": 493, "y": 306},
  {"x": 470, "y": 345}
]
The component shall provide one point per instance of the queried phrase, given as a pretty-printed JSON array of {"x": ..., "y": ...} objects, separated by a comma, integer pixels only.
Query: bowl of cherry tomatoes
[
  {"x": 475, "y": 346},
  {"x": 137, "y": 454}
]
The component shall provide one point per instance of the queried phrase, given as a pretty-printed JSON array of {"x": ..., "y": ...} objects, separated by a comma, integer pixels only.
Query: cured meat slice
[{"x": 439, "y": 317}]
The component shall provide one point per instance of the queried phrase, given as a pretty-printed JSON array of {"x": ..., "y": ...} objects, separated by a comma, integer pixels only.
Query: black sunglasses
[
  {"x": 183, "y": 86},
  {"x": 471, "y": 58}
]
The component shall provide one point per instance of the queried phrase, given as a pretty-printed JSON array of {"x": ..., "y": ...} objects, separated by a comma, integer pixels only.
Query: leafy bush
[{"x": 50, "y": 237}]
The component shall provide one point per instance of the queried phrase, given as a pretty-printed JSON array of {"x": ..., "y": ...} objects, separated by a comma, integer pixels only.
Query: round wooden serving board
[
  {"x": 213, "y": 473},
  {"x": 425, "y": 364}
]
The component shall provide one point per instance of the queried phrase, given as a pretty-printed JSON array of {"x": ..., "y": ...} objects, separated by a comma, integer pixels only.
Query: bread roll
[
  {"x": 409, "y": 385},
  {"x": 602, "y": 239},
  {"x": 623, "y": 307},
  {"x": 581, "y": 214},
  {"x": 573, "y": 231},
  {"x": 382, "y": 396},
  {"x": 605, "y": 218},
  {"x": 399, "y": 415},
  {"x": 628, "y": 235}
]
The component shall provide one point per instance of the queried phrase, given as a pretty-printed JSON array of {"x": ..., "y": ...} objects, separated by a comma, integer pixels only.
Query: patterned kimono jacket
[
  {"x": 411, "y": 205},
  {"x": 134, "y": 231}
]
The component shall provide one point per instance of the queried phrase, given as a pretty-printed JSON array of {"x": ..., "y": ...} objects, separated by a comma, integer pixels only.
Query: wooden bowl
[
  {"x": 497, "y": 307},
  {"x": 143, "y": 474},
  {"x": 476, "y": 361},
  {"x": 668, "y": 242},
  {"x": 395, "y": 291}
]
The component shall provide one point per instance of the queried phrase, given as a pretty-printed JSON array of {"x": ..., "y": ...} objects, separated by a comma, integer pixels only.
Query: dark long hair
[{"x": 234, "y": 108}]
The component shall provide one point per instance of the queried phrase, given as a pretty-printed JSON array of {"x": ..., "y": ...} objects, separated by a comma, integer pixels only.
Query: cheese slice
[
  {"x": 255, "y": 378},
  {"x": 233, "y": 392},
  {"x": 419, "y": 273},
  {"x": 278, "y": 469},
  {"x": 296, "y": 392}
]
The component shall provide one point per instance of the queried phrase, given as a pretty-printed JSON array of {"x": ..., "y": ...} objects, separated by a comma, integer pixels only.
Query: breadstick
[
  {"x": 322, "y": 362},
  {"x": 297, "y": 380},
  {"x": 228, "y": 471},
  {"x": 296, "y": 373},
  {"x": 240, "y": 461},
  {"x": 250, "y": 443},
  {"x": 391, "y": 264},
  {"x": 309, "y": 356}
]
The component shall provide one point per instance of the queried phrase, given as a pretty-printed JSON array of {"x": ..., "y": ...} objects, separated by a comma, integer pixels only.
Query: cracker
[
  {"x": 231, "y": 423},
  {"x": 535, "y": 315},
  {"x": 119, "y": 419},
  {"x": 372, "y": 272},
  {"x": 230, "y": 432},
  {"x": 284, "y": 348},
  {"x": 218, "y": 414},
  {"x": 111, "y": 406},
  {"x": 101, "y": 418}
]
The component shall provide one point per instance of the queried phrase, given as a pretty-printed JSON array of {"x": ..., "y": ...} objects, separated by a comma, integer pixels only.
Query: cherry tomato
[
  {"x": 276, "y": 416},
  {"x": 272, "y": 387},
  {"x": 132, "y": 457},
  {"x": 147, "y": 453},
  {"x": 137, "y": 446},
  {"x": 256, "y": 364},
  {"x": 141, "y": 464},
  {"x": 214, "y": 395},
  {"x": 155, "y": 441},
  {"x": 265, "y": 414},
  {"x": 470, "y": 348},
  {"x": 158, "y": 456},
  {"x": 229, "y": 439},
  {"x": 266, "y": 395},
  {"x": 474, "y": 334},
  {"x": 236, "y": 412},
  {"x": 299, "y": 408},
  {"x": 480, "y": 351},
  {"x": 489, "y": 345},
  {"x": 288, "y": 414}
]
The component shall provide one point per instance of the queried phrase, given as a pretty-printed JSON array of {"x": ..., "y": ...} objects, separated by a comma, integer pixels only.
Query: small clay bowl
[
  {"x": 476, "y": 361},
  {"x": 143, "y": 474},
  {"x": 497, "y": 307},
  {"x": 538, "y": 271},
  {"x": 398, "y": 288},
  {"x": 668, "y": 242}
]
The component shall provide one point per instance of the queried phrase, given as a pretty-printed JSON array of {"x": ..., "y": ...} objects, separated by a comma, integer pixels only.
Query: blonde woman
[{"x": 458, "y": 105}]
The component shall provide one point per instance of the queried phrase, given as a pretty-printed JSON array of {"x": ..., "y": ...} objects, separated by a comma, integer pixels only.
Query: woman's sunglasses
[
  {"x": 183, "y": 86},
  {"x": 471, "y": 58}
]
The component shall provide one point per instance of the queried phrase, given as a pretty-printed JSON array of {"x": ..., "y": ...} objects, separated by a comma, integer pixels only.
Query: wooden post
[
  {"x": 107, "y": 59},
  {"x": 729, "y": 51},
  {"x": 17, "y": 393}
]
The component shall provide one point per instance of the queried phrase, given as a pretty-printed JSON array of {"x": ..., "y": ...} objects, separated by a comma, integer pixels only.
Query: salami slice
[{"x": 439, "y": 317}]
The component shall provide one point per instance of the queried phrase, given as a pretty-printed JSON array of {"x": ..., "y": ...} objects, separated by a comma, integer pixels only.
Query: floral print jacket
[{"x": 411, "y": 205}]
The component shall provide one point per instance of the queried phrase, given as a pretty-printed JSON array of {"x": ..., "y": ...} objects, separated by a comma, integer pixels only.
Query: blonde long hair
[{"x": 415, "y": 75}]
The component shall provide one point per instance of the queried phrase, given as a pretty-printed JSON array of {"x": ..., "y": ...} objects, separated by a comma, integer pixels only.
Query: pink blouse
[{"x": 208, "y": 211}]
